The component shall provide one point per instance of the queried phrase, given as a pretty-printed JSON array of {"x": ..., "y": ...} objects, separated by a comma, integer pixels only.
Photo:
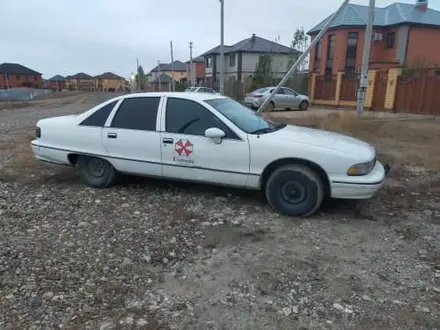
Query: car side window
[
  {"x": 138, "y": 113},
  {"x": 280, "y": 91},
  {"x": 99, "y": 117},
  {"x": 289, "y": 92},
  {"x": 188, "y": 117}
]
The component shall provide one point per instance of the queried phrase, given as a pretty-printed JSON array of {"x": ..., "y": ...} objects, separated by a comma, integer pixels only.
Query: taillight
[{"x": 38, "y": 132}]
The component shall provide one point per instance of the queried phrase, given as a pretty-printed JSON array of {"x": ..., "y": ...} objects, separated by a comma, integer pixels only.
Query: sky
[{"x": 95, "y": 36}]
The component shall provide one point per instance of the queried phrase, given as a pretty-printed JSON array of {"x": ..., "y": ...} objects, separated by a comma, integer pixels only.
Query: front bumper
[{"x": 360, "y": 187}]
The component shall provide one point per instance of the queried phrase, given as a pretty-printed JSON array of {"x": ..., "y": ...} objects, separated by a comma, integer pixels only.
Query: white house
[{"x": 242, "y": 58}]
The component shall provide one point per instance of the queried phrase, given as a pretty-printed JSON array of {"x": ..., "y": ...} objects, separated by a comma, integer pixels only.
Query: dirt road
[{"x": 149, "y": 254}]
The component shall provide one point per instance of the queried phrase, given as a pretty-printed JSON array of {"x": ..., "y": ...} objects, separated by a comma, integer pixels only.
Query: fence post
[
  {"x": 390, "y": 96},
  {"x": 370, "y": 89},
  {"x": 312, "y": 87},
  {"x": 338, "y": 87}
]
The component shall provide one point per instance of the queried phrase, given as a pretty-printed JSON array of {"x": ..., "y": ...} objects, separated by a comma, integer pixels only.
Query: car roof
[{"x": 190, "y": 96}]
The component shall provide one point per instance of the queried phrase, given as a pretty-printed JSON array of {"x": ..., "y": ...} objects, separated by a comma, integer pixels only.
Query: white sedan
[{"x": 213, "y": 139}]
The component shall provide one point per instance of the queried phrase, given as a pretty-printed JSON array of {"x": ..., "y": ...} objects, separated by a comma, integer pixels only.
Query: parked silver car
[
  {"x": 286, "y": 98},
  {"x": 200, "y": 90}
]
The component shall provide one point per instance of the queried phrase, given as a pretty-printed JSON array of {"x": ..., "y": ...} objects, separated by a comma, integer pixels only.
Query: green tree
[
  {"x": 263, "y": 72},
  {"x": 141, "y": 78},
  {"x": 300, "y": 42}
]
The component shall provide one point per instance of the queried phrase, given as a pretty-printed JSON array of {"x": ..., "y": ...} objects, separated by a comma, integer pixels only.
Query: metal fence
[{"x": 22, "y": 93}]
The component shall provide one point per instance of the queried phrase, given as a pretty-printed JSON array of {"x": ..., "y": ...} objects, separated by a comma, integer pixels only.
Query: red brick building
[
  {"x": 404, "y": 34},
  {"x": 57, "y": 83},
  {"x": 198, "y": 68},
  {"x": 13, "y": 75}
]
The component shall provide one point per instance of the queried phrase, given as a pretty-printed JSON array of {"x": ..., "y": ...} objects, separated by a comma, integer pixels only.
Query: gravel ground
[{"x": 149, "y": 254}]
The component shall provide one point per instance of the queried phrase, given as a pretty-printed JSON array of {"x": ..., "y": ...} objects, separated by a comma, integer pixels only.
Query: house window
[
  {"x": 35, "y": 78},
  {"x": 209, "y": 62},
  {"x": 232, "y": 60},
  {"x": 391, "y": 39},
  {"x": 17, "y": 77},
  {"x": 350, "y": 56},
  {"x": 318, "y": 52},
  {"x": 330, "y": 54}
]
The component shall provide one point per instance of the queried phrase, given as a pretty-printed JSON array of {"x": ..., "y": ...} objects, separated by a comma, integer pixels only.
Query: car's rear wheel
[
  {"x": 304, "y": 105},
  {"x": 295, "y": 190},
  {"x": 95, "y": 172},
  {"x": 271, "y": 106}
]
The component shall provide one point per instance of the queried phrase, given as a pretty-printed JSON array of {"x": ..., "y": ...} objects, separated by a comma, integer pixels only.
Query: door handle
[
  {"x": 112, "y": 135},
  {"x": 168, "y": 140}
]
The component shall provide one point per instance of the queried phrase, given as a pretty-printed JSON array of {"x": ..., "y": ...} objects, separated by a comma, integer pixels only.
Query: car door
[
  {"x": 130, "y": 136},
  {"x": 292, "y": 99},
  {"x": 279, "y": 99},
  {"x": 188, "y": 154}
]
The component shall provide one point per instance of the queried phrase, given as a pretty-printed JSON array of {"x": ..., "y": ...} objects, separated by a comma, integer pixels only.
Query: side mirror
[{"x": 216, "y": 134}]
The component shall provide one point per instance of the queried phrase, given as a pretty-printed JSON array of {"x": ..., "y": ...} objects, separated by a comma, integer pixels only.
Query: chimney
[
  {"x": 422, "y": 4},
  {"x": 253, "y": 36}
]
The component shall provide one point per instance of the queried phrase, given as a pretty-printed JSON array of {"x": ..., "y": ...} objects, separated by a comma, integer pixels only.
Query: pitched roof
[
  {"x": 81, "y": 75},
  {"x": 109, "y": 75},
  {"x": 56, "y": 78},
  {"x": 394, "y": 14},
  {"x": 158, "y": 67},
  {"x": 198, "y": 59},
  {"x": 15, "y": 68},
  {"x": 176, "y": 66},
  {"x": 254, "y": 44},
  {"x": 164, "y": 79}
]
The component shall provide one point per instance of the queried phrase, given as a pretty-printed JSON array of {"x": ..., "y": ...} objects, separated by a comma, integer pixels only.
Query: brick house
[
  {"x": 403, "y": 34},
  {"x": 81, "y": 81},
  {"x": 56, "y": 83},
  {"x": 13, "y": 75},
  {"x": 177, "y": 70},
  {"x": 198, "y": 69},
  {"x": 162, "y": 83},
  {"x": 109, "y": 81}
]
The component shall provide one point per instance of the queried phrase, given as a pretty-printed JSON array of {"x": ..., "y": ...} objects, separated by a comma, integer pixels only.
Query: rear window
[{"x": 99, "y": 117}]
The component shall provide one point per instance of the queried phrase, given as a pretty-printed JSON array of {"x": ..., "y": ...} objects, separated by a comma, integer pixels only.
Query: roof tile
[{"x": 394, "y": 14}]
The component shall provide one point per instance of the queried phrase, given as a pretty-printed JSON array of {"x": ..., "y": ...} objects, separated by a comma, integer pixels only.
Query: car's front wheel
[
  {"x": 304, "y": 105},
  {"x": 96, "y": 172},
  {"x": 295, "y": 190}
]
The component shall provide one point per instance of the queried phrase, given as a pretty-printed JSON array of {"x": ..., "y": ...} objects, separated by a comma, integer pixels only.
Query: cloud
[{"x": 66, "y": 37}]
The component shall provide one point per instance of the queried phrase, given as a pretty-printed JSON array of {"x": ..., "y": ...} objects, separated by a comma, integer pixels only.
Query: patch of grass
[{"x": 401, "y": 142}]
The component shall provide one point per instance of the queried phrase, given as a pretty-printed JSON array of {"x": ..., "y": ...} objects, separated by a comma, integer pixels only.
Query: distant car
[
  {"x": 209, "y": 138},
  {"x": 286, "y": 98},
  {"x": 201, "y": 90}
]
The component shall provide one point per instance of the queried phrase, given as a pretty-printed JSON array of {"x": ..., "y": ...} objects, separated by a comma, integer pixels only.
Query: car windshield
[{"x": 244, "y": 118}]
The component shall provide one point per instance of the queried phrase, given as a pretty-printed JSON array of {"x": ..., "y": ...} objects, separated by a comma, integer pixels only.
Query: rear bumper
[
  {"x": 250, "y": 102},
  {"x": 361, "y": 187},
  {"x": 50, "y": 155}
]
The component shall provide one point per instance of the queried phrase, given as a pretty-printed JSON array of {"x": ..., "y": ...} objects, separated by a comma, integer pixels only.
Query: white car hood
[{"x": 325, "y": 139}]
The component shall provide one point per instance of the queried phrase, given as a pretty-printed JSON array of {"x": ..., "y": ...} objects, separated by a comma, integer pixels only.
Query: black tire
[
  {"x": 304, "y": 105},
  {"x": 96, "y": 172},
  {"x": 288, "y": 109},
  {"x": 298, "y": 183},
  {"x": 271, "y": 106}
]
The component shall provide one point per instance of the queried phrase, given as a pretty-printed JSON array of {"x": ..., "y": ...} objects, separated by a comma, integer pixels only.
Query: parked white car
[
  {"x": 212, "y": 139},
  {"x": 285, "y": 98}
]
